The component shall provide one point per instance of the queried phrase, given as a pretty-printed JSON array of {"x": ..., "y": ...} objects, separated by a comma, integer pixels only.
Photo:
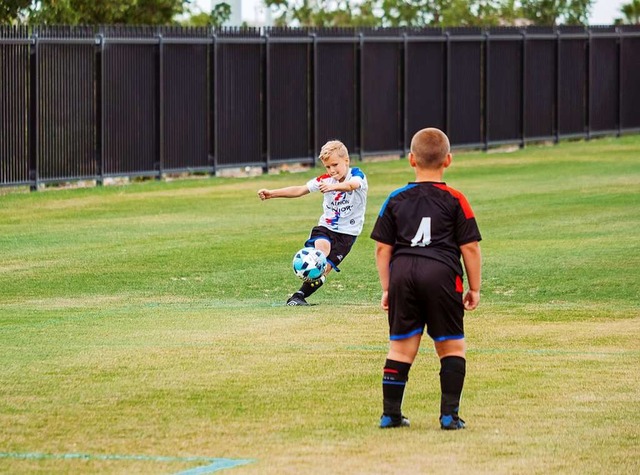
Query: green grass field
[{"x": 143, "y": 330}]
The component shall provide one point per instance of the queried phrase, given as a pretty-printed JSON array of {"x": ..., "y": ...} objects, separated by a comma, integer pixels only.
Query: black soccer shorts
[
  {"x": 424, "y": 292},
  {"x": 340, "y": 244}
]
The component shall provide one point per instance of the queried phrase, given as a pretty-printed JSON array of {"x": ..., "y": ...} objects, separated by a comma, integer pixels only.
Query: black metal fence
[{"x": 80, "y": 103}]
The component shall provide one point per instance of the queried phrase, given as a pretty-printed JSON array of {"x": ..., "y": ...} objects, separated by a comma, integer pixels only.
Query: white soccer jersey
[{"x": 343, "y": 210}]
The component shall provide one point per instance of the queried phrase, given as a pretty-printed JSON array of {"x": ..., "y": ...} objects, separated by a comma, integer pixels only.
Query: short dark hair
[{"x": 430, "y": 147}]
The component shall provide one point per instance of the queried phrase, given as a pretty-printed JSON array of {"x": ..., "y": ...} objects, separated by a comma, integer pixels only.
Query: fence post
[
  {"x": 487, "y": 73},
  {"x": 99, "y": 109},
  {"x": 405, "y": 92},
  {"x": 316, "y": 149},
  {"x": 587, "y": 109},
  {"x": 523, "y": 85},
  {"x": 214, "y": 105},
  {"x": 360, "y": 81},
  {"x": 160, "y": 99},
  {"x": 34, "y": 110},
  {"x": 557, "y": 95},
  {"x": 447, "y": 107},
  {"x": 620, "y": 69},
  {"x": 267, "y": 102}
]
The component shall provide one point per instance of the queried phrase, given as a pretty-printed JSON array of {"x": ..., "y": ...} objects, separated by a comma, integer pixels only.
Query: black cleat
[{"x": 296, "y": 300}]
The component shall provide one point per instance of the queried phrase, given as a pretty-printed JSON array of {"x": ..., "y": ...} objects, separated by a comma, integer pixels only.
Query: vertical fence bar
[
  {"x": 267, "y": 102},
  {"x": 99, "y": 110},
  {"x": 588, "y": 80},
  {"x": 487, "y": 77},
  {"x": 34, "y": 101},
  {"x": 405, "y": 92},
  {"x": 214, "y": 102},
  {"x": 316, "y": 132},
  {"x": 447, "y": 81},
  {"x": 557, "y": 94},
  {"x": 523, "y": 86},
  {"x": 360, "y": 98},
  {"x": 160, "y": 95}
]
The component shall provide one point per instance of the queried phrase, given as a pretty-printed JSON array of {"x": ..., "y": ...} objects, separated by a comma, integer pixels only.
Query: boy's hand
[
  {"x": 384, "y": 301},
  {"x": 264, "y": 194},
  {"x": 471, "y": 300},
  {"x": 324, "y": 187}
]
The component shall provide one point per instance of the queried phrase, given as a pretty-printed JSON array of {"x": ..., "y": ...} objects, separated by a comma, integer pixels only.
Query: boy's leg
[
  {"x": 308, "y": 288},
  {"x": 401, "y": 355},
  {"x": 445, "y": 321},
  {"x": 323, "y": 245},
  {"x": 452, "y": 375}
]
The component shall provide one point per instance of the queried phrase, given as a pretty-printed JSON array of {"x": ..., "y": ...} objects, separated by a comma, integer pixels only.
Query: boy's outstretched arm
[
  {"x": 383, "y": 261},
  {"x": 472, "y": 258},
  {"x": 288, "y": 192}
]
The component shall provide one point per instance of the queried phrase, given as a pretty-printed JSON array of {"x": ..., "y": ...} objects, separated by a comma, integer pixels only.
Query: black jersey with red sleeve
[{"x": 428, "y": 219}]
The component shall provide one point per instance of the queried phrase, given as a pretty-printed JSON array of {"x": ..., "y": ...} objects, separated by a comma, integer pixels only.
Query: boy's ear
[
  {"x": 447, "y": 161},
  {"x": 412, "y": 160}
]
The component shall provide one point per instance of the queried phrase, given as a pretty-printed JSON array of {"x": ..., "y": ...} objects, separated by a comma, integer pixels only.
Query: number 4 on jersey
[{"x": 423, "y": 236}]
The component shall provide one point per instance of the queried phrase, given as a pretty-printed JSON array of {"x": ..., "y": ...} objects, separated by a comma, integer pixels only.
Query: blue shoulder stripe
[
  {"x": 355, "y": 171},
  {"x": 394, "y": 194}
]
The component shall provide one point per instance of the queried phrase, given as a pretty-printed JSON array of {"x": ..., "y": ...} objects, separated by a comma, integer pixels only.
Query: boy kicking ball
[
  {"x": 422, "y": 231},
  {"x": 345, "y": 200}
]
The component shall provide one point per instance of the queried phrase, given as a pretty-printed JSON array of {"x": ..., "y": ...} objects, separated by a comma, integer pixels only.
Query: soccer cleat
[
  {"x": 388, "y": 422},
  {"x": 296, "y": 300},
  {"x": 449, "y": 422}
]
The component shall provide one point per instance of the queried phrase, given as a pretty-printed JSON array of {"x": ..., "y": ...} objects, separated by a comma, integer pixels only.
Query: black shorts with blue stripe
[
  {"x": 424, "y": 293},
  {"x": 340, "y": 244}
]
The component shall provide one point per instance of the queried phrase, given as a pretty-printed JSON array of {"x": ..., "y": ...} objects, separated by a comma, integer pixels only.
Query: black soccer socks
[
  {"x": 394, "y": 380},
  {"x": 309, "y": 287},
  {"x": 452, "y": 373}
]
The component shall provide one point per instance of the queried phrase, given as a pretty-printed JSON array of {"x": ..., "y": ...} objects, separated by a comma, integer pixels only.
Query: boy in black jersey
[{"x": 422, "y": 231}]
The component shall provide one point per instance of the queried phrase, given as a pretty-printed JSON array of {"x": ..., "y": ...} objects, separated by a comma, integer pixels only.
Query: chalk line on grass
[{"x": 213, "y": 464}]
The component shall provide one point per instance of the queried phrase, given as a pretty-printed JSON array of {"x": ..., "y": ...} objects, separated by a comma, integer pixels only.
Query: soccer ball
[{"x": 309, "y": 264}]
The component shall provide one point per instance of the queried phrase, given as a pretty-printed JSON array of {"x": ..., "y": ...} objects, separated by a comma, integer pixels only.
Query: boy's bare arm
[
  {"x": 288, "y": 192},
  {"x": 472, "y": 258},
  {"x": 383, "y": 260}
]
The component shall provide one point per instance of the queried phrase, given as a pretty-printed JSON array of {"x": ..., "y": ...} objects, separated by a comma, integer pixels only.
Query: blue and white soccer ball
[{"x": 309, "y": 263}]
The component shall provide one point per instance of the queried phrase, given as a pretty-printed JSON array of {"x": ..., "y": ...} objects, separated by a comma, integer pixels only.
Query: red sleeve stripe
[
  {"x": 466, "y": 207},
  {"x": 322, "y": 177}
]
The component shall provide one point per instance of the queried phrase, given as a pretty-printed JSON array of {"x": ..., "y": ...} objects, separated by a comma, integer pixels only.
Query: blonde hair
[
  {"x": 331, "y": 148},
  {"x": 430, "y": 147}
]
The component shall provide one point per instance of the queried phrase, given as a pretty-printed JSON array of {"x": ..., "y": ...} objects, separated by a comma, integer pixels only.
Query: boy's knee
[
  {"x": 404, "y": 350},
  {"x": 448, "y": 348}
]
